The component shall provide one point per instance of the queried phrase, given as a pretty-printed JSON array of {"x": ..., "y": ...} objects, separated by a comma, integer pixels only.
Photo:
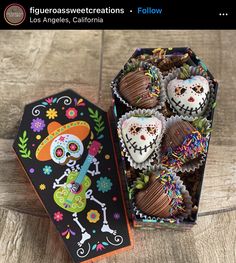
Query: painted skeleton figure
[{"x": 66, "y": 149}]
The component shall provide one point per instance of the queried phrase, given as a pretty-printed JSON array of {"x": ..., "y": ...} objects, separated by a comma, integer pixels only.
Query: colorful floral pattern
[
  {"x": 47, "y": 169},
  {"x": 71, "y": 113},
  {"x": 51, "y": 114},
  {"x": 99, "y": 246},
  {"x": 42, "y": 187},
  {"x": 93, "y": 216},
  {"x": 68, "y": 233},
  {"x": 49, "y": 100},
  {"x": 37, "y": 125},
  {"x": 58, "y": 216},
  {"x": 104, "y": 184},
  {"x": 79, "y": 102}
]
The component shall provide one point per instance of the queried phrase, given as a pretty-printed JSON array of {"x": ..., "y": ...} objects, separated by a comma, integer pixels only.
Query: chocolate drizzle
[
  {"x": 161, "y": 198},
  {"x": 135, "y": 88}
]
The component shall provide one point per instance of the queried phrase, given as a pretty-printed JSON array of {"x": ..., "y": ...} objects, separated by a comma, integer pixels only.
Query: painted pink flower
[
  {"x": 58, "y": 216},
  {"x": 49, "y": 100},
  {"x": 71, "y": 113},
  {"x": 100, "y": 247}
]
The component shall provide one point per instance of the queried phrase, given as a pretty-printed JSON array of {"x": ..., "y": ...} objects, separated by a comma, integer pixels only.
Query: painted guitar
[{"x": 71, "y": 196}]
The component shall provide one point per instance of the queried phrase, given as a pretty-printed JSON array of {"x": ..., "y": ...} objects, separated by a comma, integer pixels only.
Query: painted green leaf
[
  {"x": 96, "y": 114},
  {"x": 22, "y": 146},
  {"x": 90, "y": 111},
  {"x": 25, "y": 153},
  {"x": 99, "y": 123},
  {"x": 24, "y": 156},
  {"x": 100, "y": 118},
  {"x": 101, "y": 129}
]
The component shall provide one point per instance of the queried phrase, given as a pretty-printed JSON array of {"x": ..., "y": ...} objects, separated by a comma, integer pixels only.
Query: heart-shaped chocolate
[
  {"x": 189, "y": 97},
  {"x": 140, "y": 134}
]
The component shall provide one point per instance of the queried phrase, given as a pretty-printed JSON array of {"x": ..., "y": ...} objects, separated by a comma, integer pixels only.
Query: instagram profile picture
[{"x": 14, "y": 14}]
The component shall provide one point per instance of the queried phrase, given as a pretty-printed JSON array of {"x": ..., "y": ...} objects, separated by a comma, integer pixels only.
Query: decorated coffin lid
[{"x": 65, "y": 146}]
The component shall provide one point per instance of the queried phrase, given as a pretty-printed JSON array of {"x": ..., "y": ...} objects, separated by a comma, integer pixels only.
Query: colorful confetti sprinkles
[{"x": 193, "y": 146}]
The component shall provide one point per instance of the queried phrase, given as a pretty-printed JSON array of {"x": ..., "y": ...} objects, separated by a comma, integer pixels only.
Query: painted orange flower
[{"x": 51, "y": 114}]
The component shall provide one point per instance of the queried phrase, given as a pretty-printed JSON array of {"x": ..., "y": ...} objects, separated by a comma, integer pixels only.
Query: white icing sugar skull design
[
  {"x": 66, "y": 147},
  {"x": 189, "y": 97},
  {"x": 140, "y": 135}
]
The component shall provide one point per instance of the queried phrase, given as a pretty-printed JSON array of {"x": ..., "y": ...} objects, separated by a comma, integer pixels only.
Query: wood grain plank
[
  {"x": 33, "y": 239},
  {"x": 219, "y": 184},
  {"x": 52, "y": 55},
  {"x": 11, "y": 234},
  {"x": 215, "y": 238}
]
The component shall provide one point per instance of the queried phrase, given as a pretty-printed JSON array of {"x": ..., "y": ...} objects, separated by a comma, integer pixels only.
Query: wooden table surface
[{"x": 35, "y": 64}]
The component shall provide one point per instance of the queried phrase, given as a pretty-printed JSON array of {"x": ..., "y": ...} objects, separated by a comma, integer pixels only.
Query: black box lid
[{"x": 65, "y": 146}]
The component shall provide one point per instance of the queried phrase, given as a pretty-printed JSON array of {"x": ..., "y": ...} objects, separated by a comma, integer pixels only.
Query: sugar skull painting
[
  {"x": 63, "y": 145},
  {"x": 140, "y": 135},
  {"x": 189, "y": 97}
]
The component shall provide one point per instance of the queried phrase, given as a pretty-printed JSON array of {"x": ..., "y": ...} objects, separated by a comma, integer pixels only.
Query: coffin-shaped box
[
  {"x": 129, "y": 95},
  {"x": 65, "y": 146}
]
